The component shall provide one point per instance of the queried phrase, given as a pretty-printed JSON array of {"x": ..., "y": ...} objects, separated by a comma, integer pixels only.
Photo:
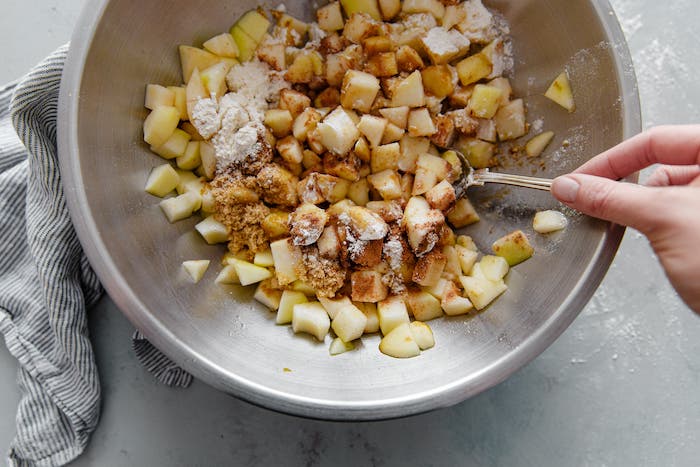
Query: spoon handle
[{"x": 484, "y": 176}]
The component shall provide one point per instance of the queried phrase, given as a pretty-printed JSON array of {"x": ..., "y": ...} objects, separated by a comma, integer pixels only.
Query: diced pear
[
  {"x": 437, "y": 80},
  {"x": 303, "y": 287},
  {"x": 190, "y": 160},
  {"x": 423, "y": 306},
  {"x": 481, "y": 292},
  {"x": 429, "y": 268},
  {"x": 214, "y": 79},
  {"x": 188, "y": 182},
  {"x": 392, "y": 134},
  {"x": 286, "y": 257},
  {"x": 485, "y": 100},
  {"x": 442, "y": 196},
  {"x": 349, "y": 323},
  {"x": 510, "y": 120},
  {"x": 362, "y": 6},
  {"x": 311, "y": 318},
  {"x": 330, "y": 18},
  {"x": 338, "y": 132},
  {"x": 396, "y": 115},
  {"x": 248, "y": 273},
  {"x": 373, "y": 128},
  {"x": 434, "y": 7},
  {"x": 279, "y": 121},
  {"x": 514, "y": 247},
  {"x": 494, "y": 268},
  {"x": 478, "y": 153},
  {"x": 266, "y": 294},
  {"x": 463, "y": 214},
  {"x": 392, "y": 312},
  {"x": 291, "y": 23},
  {"x": 359, "y": 27},
  {"x": 400, "y": 343},
  {"x": 409, "y": 92},
  {"x": 389, "y": 8},
  {"x": 408, "y": 59},
  {"x": 386, "y": 156},
  {"x": 387, "y": 183},
  {"x": 443, "y": 46},
  {"x": 160, "y": 124},
  {"x": 194, "y": 91},
  {"x": 454, "y": 14},
  {"x": 207, "y": 154},
  {"x": 192, "y": 58},
  {"x": 338, "y": 346},
  {"x": 359, "y": 90},
  {"x": 301, "y": 70},
  {"x": 264, "y": 259},
  {"x": 560, "y": 92},
  {"x": 273, "y": 54},
  {"x": 537, "y": 144},
  {"x": 227, "y": 275},
  {"x": 420, "y": 123},
  {"x": 162, "y": 180},
  {"x": 467, "y": 242},
  {"x": 254, "y": 23},
  {"x": 196, "y": 268},
  {"x": 246, "y": 44},
  {"x": 286, "y": 308},
  {"x": 549, "y": 221},
  {"x": 467, "y": 258},
  {"x": 306, "y": 122},
  {"x": 175, "y": 146},
  {"x": 437, "y": 290},
  {"x": 180, "y": 100},
  {"x": 411, "y": 148},
  {"x": 422, "y": 334},
  {"x": 334, "y": 306},
  {"x": 367, "y": 286},
  {"x": 370, "y": 311},
  {"x": 359, "y": 192},
  {"x": 423, "y": 225},
  {"x": 157, "y": 95},
  {"x": 222, "y": 45},
  {"x": 452, "y": 302},
  {"x": 212, "y": 231},
  {"x": 473, "y": 68},
  {"x": 180, "y": 207}
]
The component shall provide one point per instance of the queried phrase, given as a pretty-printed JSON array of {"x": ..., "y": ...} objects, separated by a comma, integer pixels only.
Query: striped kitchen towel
[{"x": 46, "y": 283}]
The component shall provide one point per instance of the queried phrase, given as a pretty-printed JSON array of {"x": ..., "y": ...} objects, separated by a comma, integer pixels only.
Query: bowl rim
[{"x": 443, "y": 396}]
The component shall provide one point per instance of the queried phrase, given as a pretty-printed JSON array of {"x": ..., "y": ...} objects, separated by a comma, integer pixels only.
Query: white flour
[{"x": 234, "y": 124}]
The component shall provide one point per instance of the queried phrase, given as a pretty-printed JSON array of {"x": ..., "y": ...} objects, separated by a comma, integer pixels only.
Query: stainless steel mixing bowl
[{"x": 222, "y": 336}]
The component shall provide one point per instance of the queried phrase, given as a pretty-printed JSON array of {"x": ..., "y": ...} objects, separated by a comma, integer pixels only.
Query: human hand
[{"x": 666, "y": 210}]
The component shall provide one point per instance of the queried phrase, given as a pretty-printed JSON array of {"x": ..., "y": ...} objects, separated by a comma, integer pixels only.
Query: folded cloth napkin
[{"x": 46, "y": 283}]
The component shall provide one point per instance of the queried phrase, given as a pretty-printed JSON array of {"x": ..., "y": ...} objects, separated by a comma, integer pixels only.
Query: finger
[
  {"x": 673, "y": 145},
  {"x": 618, "y": 202},
  {"x": 671, "y": 175}
]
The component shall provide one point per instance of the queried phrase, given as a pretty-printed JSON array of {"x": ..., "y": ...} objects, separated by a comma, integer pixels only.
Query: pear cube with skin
[
  {"x": 285, "y": 311},
  {"x": 494, "y": 268},
  {"x": 358, "y": 90},
  {"x": 423, "y": 306},
  {"x": 157, "y": 96},
  {"x": 160, "y": 125},
  {"x": 196, "y": 268},
  {"x": 549, "y": 221},
  {"x": 422, "y": 334},
  {"x": 409, "y": 92},
  {"x": 311, "y": 318},
  {"x": 481, "y": 291},
  {"x": 514, "y": 247},
  {"x": 248, "y": 273},
  {"x": 400, "y": 343},
  {"x": 212, "y": 231},
  {"x": 538, "y": 143},
  {"x": 180, "y": 207},
  {"x": 392, "y": 312},
  {"x": 349, "y": 323},
  {"x": 268, "y": 295},
  {"x": 369, "y": 7},
  {"x": 338, "y": 346},
  {"x": 338, "y": 131},
  {"x": 162, "y": 180},
  {"x": 560, "y": 92}
]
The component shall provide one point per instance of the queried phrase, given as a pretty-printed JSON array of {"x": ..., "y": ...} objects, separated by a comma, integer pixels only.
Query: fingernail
[{"x": 565, "y": 189}]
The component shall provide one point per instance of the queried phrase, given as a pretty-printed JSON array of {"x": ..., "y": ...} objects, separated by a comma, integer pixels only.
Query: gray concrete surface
[{"x": 620, "y": 387}]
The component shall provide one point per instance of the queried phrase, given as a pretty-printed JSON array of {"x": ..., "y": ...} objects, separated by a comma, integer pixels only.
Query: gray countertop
[{"x": 620, "y": 387}]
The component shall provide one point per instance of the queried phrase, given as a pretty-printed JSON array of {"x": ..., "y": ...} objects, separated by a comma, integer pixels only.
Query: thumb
[{"x": 619, "y": 202}]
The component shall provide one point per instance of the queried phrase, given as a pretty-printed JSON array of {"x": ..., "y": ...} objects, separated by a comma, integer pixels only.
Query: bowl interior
[{"x": 230, "y": 341}]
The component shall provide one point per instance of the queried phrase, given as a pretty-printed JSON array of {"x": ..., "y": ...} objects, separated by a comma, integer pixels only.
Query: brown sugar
[{"x": 325, "y": 275}]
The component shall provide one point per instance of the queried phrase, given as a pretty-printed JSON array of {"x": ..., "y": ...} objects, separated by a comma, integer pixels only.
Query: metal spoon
[{"x": 472, "y": 177}]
